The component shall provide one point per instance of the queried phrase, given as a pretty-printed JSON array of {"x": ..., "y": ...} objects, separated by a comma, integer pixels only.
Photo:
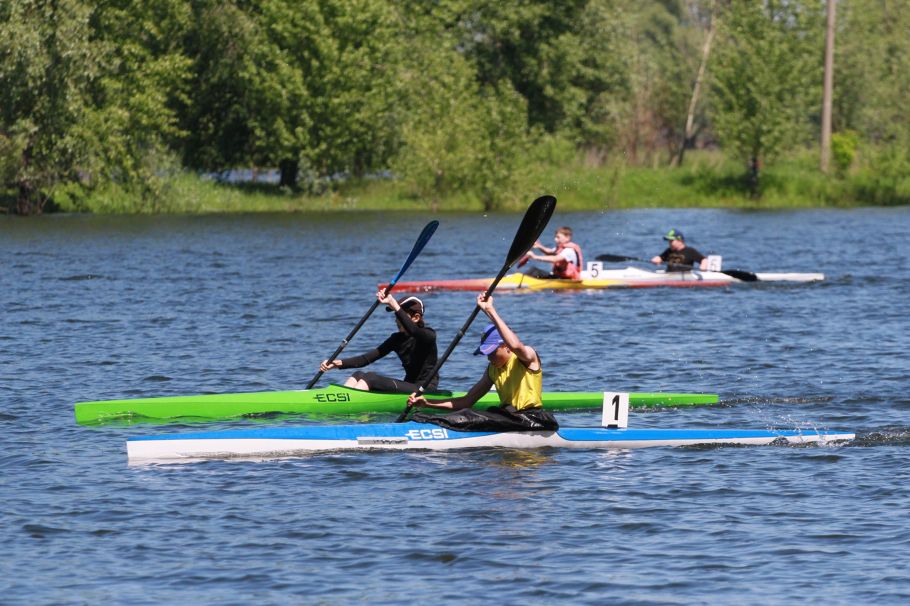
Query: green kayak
[{"x": 334, "y": 400}]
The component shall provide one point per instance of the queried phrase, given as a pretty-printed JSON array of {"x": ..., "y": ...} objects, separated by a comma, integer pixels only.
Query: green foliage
[
  {"x": 277, "y": 80},
  {"x": 653, "y": 63},
  {"x": 872, "y": 72},
  {"x": 456, "y": 135},
  {"x": 884, "y": 178},
  {"x": 843, "y": 150},
  {"x": 249, "y": 91},
  {"x": 502, "y": 145},
  {"x": 87, "y": 95},
  {"x": 132, "y": 124},
  {"x": 766, "y": 77},
  {"x": 11, "y": 150},
  {"x": 470, "y": 103},
  {"x": 48, "y": 63},
  {"x": 354, "y": 88},
  {"x": 532, "y": 45}
]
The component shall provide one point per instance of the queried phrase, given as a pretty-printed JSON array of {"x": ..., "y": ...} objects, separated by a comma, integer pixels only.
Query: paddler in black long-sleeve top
[
  {"x": 514, "y": 369},
  {"x": 414, "y": 342}
]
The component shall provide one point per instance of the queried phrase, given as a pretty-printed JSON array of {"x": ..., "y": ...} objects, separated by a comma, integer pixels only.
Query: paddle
[
  {"x": 422, "y": 240},
  {"x": 619, "y": 258},
  {"x": 739, "y": 274},
  {"x": 532, "y": 225}
]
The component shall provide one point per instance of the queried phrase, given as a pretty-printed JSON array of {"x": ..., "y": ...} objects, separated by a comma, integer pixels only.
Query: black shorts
[
  {"x": 377, "y": 382},
  {"x": 494, "y": 418}
]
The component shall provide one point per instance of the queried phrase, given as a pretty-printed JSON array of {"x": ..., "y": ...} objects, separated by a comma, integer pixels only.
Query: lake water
[{"x": 112, "y": 307}]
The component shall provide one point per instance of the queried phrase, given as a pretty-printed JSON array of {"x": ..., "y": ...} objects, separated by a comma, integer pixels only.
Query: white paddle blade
[{"x": 616, "y": 410}]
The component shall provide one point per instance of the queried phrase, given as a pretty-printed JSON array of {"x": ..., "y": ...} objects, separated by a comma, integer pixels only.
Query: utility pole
[{"x": 828, "y": 89}]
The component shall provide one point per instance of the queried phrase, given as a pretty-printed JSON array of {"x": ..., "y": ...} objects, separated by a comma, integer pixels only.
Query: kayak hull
[
  {"x": 629, "y": 277},
  {"x": 333, "y": 400},
  {"x": 280, "y": 442}
]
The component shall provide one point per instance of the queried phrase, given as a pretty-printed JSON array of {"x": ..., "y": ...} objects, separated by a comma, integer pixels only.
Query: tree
[
  {"x": 132, "y": 123},
  {"x": 249, "y": 96},
  {"x": 873, "y": 71},
  {"x": 765, "y": 76},
  {"x": 689, "y": 130},
  {"x": 660, "y": 60},
  {"x": 87, "y": 94},
  {"x": 873, "y": 86},
  {"x": 353, "y": 82},
  {"x": 828, "y": 90},
  {"x": 456, "y": 135},
  {"x": 48, "y": 64}
]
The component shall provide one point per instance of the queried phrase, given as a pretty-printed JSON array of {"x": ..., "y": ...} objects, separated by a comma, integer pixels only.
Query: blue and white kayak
[{"x": 279, "y": 442}]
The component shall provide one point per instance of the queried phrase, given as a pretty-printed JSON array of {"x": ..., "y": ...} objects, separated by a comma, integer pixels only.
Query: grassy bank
[{"x": 706, "y": 180}]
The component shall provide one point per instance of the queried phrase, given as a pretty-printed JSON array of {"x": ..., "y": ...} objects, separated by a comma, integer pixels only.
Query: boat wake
[
  {"x": 764, "y": 400},
  {"x": 886, "y": 436}
]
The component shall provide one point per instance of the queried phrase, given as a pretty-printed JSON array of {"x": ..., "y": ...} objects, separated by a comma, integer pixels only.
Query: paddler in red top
[
  {"x": 514, "y": 369},
  {"x": 566, "y": 257}
]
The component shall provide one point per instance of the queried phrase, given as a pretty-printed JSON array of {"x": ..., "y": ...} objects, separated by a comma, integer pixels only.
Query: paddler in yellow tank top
[{"x": 514, "y": 369}]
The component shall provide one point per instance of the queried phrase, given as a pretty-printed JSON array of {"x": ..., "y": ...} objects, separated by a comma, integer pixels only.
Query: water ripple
[{"x": 96, "y": 310}]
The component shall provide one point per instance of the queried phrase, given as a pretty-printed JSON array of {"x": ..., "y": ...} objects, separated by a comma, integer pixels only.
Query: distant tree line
[{"x": 446, "y": 95}]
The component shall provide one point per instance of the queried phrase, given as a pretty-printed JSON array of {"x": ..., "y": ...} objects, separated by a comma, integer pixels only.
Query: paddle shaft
[
  {"x": 347, "y": 339},
  {"x": 739, "y": 274},
  {"x": 619, "y": 258},
  {"x": 461, "y": 333}
]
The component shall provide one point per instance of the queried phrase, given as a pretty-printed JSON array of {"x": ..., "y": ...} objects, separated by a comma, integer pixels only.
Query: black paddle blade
[
  {"x": 739, "y": 274},
  {"x": 615, "y": 258},
  {"x": 532, "y": 225}
]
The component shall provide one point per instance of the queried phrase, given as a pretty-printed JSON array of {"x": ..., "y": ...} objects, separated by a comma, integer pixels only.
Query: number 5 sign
[{"x": 594, "y": 268}]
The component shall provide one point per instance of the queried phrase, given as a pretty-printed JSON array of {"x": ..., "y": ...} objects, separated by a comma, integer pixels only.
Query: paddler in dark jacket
[
  {"x": 414, "y": 342},
  {"x": 514, "y": 369}
]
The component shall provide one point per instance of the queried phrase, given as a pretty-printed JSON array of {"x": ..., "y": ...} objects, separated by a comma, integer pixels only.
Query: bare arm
[
  {"x": 545, "y": 258},
  {"x": 548, "y": 250},
  {"x": 466, "y": 401},
  {"x": 525, "y": 353}
]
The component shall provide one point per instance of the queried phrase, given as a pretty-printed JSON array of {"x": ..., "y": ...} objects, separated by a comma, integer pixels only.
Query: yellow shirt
[{"x": 516, "y": 385}]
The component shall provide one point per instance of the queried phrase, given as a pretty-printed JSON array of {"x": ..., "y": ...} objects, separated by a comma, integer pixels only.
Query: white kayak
[{"x": 270, "y": 443}]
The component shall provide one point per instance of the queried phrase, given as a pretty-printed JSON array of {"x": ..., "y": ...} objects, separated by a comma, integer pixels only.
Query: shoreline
[{"x": 707, "y": 180}]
